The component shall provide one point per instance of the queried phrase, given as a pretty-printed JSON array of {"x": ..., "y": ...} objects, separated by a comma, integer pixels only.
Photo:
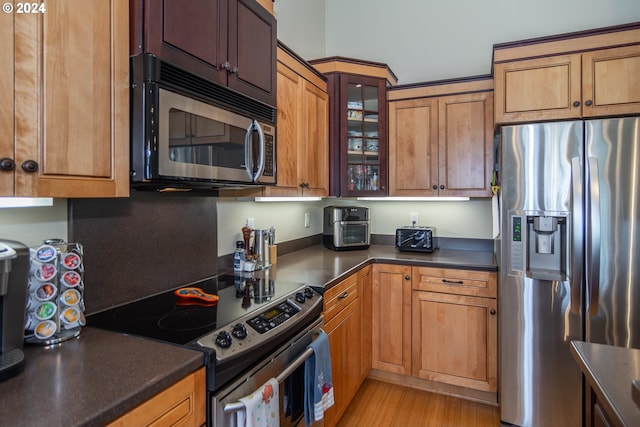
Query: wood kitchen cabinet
[
  {"x": 183, "y": 404},
  {"x": 391, "y": 318},
  {"x": 303, "y": 129},
  {"x": 344, "y": 326},
  {"x": 572, "y": 76},
  {"x": 64, "y": 97},
  {"x": 455, "y": 328},
  {"x": 357, "y": 125},
  {"x": 365, "y": 291},
  {"x": 231, "y": 42},
  {"x": 441, "y": 138}
]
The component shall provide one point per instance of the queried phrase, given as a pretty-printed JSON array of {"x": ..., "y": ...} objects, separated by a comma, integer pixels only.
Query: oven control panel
[
  {"x": 273, "y": 317},
  {"x": 255, "y": 329}
]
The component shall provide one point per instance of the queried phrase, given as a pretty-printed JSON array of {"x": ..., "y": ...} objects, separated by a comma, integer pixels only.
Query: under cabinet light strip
[
  {"x": 415, "y": 199},
  {"x": 25, "y": 202},
  {"x": 287, "y": 199}
]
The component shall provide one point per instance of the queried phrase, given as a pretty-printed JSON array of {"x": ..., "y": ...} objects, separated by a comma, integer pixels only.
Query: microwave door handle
[
  {"x": 260, "y": 170},
  {"x": 248, "y": 148}
]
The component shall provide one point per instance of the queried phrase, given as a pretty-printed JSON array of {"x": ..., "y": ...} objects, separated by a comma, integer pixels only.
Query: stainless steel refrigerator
[{"x": 569, "y": 259}]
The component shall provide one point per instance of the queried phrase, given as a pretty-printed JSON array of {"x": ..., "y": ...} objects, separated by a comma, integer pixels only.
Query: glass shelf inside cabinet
[{"x": 363, "y": 158}]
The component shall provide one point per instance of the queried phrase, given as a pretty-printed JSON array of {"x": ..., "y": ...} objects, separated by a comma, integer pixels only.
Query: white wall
[
  {"x": 286, "y": 217},
  {"x": 305, "y": 36},
  {"x": 32, "y": 225},
  {"x": 423, "y": 40},
  {"x": 468, "y": 219}
]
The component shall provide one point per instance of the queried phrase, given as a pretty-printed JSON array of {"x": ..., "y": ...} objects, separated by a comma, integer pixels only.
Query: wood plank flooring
[{"x": 388, "y": 405}]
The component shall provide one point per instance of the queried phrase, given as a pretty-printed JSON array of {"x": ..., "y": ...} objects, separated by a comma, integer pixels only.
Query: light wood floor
[{"x": 389, "y": 405}]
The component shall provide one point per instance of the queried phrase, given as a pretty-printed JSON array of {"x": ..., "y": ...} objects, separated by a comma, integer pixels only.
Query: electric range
[{"x": 251, "y": 317}]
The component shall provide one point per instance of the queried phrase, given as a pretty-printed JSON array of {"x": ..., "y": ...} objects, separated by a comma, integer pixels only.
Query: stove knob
[
  {"x": 300, "y": 297},
  {"x": 223, "y": 339},
  {"x": 239, "y": 331},
  {"x": 308, "y": 292}
]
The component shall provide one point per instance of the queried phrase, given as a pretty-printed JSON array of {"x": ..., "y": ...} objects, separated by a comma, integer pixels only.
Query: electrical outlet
[
  {"x": 251, "y": 222},
  {"x": 413, "y": 218},
  {"x": 307, "y": 219}
]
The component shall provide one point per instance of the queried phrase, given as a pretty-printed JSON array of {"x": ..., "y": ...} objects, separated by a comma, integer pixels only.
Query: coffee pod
[
  {"x": 71, "y": 317},
  {"x": 71, "y": 279},
  {"x": 45, "y": 253},
  {"x": 46, "y": 329},
  {"x": 70, "y": 297},
  {"x": 32, "y": 303},
  {"x": 45, "y": 292},
  {"x": 71, "y": 260},
  {"x": 46, "y": 310},
  {"x": 46, "y": 272}
]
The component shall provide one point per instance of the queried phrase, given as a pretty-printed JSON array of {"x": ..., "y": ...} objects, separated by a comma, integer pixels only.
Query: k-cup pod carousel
[{"x": 55, "y": 304}]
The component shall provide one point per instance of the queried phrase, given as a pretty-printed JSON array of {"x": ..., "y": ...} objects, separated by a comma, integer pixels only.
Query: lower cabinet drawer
[{"x": 450, "y": 281}]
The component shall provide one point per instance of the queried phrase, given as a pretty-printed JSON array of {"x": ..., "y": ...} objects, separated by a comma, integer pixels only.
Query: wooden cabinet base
[
  {"x": 183, "y": 404},
  {"x": 435, "y": 387}
]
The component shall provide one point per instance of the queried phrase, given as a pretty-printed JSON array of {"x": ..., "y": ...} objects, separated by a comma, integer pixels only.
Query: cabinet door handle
[
  {"x": 453, "y": 282},
  {"x": 7, "y": 164},
  {"x": 30, "y": 166},
  {"x": 234, "y": 70},
  {"x": 492, "y": 312},
  {"x": 588, "y": 103},
  {"x": 576, "y": 103},
  {"x": 344, "y": 295},
  {"x": 407, "y": 277},
  {"x": 225, "y": 65},
  {"x": 435, "y": 187}
]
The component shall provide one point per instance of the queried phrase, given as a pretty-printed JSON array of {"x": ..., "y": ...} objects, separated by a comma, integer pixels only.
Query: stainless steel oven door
[
  {"x": 197, "y": 140},
  {"x": 284, "y": 364},
  {"x": 351, "y": 233}
]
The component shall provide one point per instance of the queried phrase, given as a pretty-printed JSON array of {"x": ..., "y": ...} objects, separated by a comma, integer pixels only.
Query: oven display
[
  {"x": 273, "y": 317},
  {"x": 268, "y": 315}
]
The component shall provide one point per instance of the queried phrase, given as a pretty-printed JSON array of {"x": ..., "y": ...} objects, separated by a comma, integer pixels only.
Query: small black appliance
[{"x": 14, "y": 279}]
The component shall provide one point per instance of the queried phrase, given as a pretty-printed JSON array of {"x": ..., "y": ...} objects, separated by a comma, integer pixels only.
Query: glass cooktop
[{"x": 167, "y": 317}]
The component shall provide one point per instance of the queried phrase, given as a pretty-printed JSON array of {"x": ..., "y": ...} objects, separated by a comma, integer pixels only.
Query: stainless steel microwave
[{"x": 190, "y": 133}]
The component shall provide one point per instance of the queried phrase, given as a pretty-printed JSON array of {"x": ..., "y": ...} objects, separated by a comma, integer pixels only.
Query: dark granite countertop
[
  {"x": 610, "y": 371},
  {"x": 101, "y": 375},
  {"x": 91, "y": 380},
  {"x": 320, "y": 266}
]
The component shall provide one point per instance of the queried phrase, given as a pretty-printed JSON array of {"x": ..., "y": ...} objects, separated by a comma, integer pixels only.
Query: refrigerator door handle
[
  {"x": 577, "y": 235},
  {"x": 593, "y": 239}
]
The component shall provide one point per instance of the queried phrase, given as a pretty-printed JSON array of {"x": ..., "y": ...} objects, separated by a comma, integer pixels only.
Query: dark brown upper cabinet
[
  {"x": 358, "y": 164},
  {"x": 231, "y": 42}
]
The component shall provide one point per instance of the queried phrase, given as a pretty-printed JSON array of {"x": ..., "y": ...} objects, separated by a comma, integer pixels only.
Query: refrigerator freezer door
[
  {"x": 540, "y": 383},
  {"x": 614, "y": 146}
]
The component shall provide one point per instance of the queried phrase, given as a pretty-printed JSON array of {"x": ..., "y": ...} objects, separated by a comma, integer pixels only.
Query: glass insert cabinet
[{"x": 358, "y": 126}]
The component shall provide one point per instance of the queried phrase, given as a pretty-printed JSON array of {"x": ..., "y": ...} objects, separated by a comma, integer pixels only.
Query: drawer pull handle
[
  {"x": 453, "y": 282},
  {"x": 344, "y": 295}
]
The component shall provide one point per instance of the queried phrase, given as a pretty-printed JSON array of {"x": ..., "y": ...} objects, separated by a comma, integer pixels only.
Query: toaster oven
[
  {"x": 346, "y": 227},
  {"x": 416, "y": 239}
]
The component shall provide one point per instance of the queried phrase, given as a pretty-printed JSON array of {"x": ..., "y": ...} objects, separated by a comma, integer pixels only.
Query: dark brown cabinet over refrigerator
[
  {"x": 357, "y": 125},
  {"x": 230, "y": 42}
]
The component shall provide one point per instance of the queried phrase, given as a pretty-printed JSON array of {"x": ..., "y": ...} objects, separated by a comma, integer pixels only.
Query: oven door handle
[{"x": 239, "y": 406}]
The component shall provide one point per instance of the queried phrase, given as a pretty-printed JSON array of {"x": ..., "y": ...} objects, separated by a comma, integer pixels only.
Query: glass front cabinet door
[
  {"x": 357, "y": 125},
  {"x": 364, "y": 144}
]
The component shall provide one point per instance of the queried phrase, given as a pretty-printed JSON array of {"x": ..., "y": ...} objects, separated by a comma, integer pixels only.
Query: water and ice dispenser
[{"x": 538, "y": 245}]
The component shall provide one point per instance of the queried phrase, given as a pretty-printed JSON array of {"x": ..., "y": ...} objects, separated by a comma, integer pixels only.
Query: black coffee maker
[{"x": 14, "y": 281}]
